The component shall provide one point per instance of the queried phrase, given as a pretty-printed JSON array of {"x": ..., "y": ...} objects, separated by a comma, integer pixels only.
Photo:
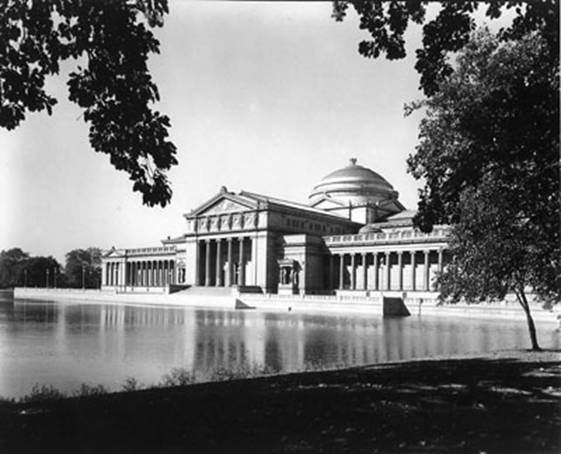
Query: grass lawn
[{"x": 507, "y": 402}]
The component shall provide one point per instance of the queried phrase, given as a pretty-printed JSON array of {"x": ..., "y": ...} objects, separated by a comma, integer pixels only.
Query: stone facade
[{"x": 354, "y": 236}]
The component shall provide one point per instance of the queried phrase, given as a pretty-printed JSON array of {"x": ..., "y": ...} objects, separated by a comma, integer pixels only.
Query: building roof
[
  {"x": 252, "y": 201},
  {"x": 353, "y": 184},
  {"x": 289, "y": 204}
]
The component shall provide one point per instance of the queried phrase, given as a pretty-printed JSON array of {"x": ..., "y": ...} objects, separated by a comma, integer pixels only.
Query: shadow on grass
[{"x": 457, "y": 405}]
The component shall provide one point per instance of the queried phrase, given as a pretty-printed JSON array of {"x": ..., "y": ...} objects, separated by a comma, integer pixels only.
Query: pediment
[
  {"x": 113, "y": 253},
  {"x": 224, "y": 206},
  {"x": 223, "y": 202}
]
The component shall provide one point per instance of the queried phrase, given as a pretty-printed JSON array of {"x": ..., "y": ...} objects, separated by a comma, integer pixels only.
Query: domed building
[
  {"x": 357, "y": 193},
  {"x": 352, "y": 239}
]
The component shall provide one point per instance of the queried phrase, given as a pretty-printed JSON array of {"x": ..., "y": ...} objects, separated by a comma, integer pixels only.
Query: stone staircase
[{"x": 206, "y": 291}]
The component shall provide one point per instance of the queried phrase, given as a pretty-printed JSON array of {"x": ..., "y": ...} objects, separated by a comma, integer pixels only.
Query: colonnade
[
  {"x": 221, "y": 262},
  {"x": 141, "y": 273},
  {"x": 343, "y": 269}
]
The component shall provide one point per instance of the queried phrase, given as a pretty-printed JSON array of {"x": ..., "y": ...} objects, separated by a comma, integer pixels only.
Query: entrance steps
[{"x": 206, "y": 291}]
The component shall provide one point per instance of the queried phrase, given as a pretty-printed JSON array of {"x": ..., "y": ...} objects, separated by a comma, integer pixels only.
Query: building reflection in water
[{"x": 69, "y": 344}]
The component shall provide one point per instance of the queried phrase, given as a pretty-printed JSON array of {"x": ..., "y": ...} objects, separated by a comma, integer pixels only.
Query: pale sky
[{"x": 266, "y": 97}]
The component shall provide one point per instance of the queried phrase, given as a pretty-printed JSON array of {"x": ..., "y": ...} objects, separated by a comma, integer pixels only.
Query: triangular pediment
[
  {"x": 224, "y": 206},
  {"x": 223, "y": 202},
  {"x": 113, "y": 252}
]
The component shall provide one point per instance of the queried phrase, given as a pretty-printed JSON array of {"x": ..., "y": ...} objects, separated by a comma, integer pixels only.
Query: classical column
[
  {"x": 400, "y": 269},
  {"x": 218, "y": 281},
  {"x": 229, "y": 269},
  {"x": 146, "y": 274},
  {"x": 427, "y": 275},
  {"x": 364, "y": 271},
  {"x": 388, "y": 272},
  {"x": 440, "y": 264},
  {"x": 207, "y": 264},
  {"x": 341, "y": 271},
  {"x": 242, "y": 264},
  {"x": 413, "y": 265},
  {"x": 376, "y": 272},
  {"x": 353, "y": 271},
  {"x": 159, "y": 273},
  {"x": 197, "y": 262},
  {"x": 331, "y": 284}
]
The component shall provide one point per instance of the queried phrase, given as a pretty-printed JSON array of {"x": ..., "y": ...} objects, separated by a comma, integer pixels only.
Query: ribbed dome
[{"x": 353, "y": 184}]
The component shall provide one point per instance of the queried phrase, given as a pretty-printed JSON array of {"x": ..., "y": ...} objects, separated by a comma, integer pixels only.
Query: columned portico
[
  {"x": 224, "y": 270},
  {"x": 392, "y": 269}
]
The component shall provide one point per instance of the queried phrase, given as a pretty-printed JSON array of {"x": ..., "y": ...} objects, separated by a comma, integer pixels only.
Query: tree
[
  {"x": 12, "y": 263},
  {"x": 488, "y": 152},
  {"x": 489, "y": 143},
  {"x": 110, "y": 42},
  {"x": 41, "y": 271},
  {"x": 449, "y": 31},
  {"x": 494, "y": 251},
  {"x": 83, "y": 268}
]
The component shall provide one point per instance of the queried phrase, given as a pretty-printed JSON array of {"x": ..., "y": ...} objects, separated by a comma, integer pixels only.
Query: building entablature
[
  {"x": 153, "y": 252},
  {"x": 411, "y": 237}
]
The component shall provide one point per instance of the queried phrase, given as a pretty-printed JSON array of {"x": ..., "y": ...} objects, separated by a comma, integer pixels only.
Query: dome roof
[{"x": 353, "y": 184}]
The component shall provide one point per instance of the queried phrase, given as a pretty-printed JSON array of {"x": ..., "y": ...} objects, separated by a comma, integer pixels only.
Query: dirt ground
[{"x": 508, "y": 402}]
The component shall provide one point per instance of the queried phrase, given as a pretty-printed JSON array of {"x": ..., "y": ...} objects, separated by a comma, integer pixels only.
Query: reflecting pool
[{"x": 67, "y": 344}]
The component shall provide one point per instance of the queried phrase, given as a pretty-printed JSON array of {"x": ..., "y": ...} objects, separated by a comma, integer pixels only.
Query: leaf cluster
[
  {"x": 83, "y": 264},
  {"x": 488, "y": 153},
  {"x": 110, "y": 41},
  {"x": 449, "y": 31}
]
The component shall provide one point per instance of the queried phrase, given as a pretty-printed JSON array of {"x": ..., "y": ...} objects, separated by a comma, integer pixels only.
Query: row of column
[
  {"x": 112, "y": 273},
  {"x": 380, "y": 260},
  {"x": 222, "y": 262},
  {"x": 142, "y": 273}
]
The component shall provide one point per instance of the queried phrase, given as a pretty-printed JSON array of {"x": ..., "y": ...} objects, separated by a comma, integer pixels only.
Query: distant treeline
[{"x": 19, "y": 269}]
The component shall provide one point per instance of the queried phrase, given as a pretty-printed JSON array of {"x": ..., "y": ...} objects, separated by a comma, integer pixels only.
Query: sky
[{"x": 264, "y": 97}]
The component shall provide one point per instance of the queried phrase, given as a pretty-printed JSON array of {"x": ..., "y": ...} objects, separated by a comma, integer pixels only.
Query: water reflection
[{"x": 69, "y": 344}]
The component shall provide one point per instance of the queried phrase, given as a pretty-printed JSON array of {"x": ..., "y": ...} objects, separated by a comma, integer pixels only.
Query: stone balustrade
[
  {"x": 159, "y": 250},
  {"x": 440, "y": 233}
]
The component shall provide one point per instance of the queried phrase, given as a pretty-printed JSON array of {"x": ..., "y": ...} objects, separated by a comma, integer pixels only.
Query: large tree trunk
[{"x": 521, "y": 296}]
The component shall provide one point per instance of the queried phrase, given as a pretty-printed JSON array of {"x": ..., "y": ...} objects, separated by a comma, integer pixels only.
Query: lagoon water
[{"x": 67, "y": 344}]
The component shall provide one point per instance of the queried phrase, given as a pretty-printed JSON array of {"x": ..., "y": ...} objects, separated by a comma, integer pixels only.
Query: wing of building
[{"x": 353, "y": 236}]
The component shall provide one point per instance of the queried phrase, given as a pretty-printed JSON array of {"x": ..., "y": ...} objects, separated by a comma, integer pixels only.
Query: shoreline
[
  {"x": 416, "y": 305},
  {"x": 467, "y": 403}
]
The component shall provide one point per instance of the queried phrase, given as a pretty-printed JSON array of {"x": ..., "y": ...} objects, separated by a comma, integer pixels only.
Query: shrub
[{"x": 42, "y": 393}]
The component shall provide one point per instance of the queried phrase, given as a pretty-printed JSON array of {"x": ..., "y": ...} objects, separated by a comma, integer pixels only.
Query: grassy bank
[{"x": 498, "y": 403}]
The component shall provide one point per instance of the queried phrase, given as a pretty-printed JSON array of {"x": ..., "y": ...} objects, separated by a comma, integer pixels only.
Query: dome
[{"x": 354, "y": 185}]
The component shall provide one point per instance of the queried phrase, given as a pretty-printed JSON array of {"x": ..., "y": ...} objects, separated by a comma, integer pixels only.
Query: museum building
[{"x": 353, "y": 235}]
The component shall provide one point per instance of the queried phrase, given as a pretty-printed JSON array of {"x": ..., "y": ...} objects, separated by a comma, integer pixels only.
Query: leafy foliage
[
  {"x": 488, "y": 153},
  {"x": 17, "y": 268},
  {"x": 110, "y": 41},
  {"x": 448, "y": 31},
  {"x": 12, "y": 263},
  {"x": 83, "y": 267},
  {"x": 489, "y": 146}
]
